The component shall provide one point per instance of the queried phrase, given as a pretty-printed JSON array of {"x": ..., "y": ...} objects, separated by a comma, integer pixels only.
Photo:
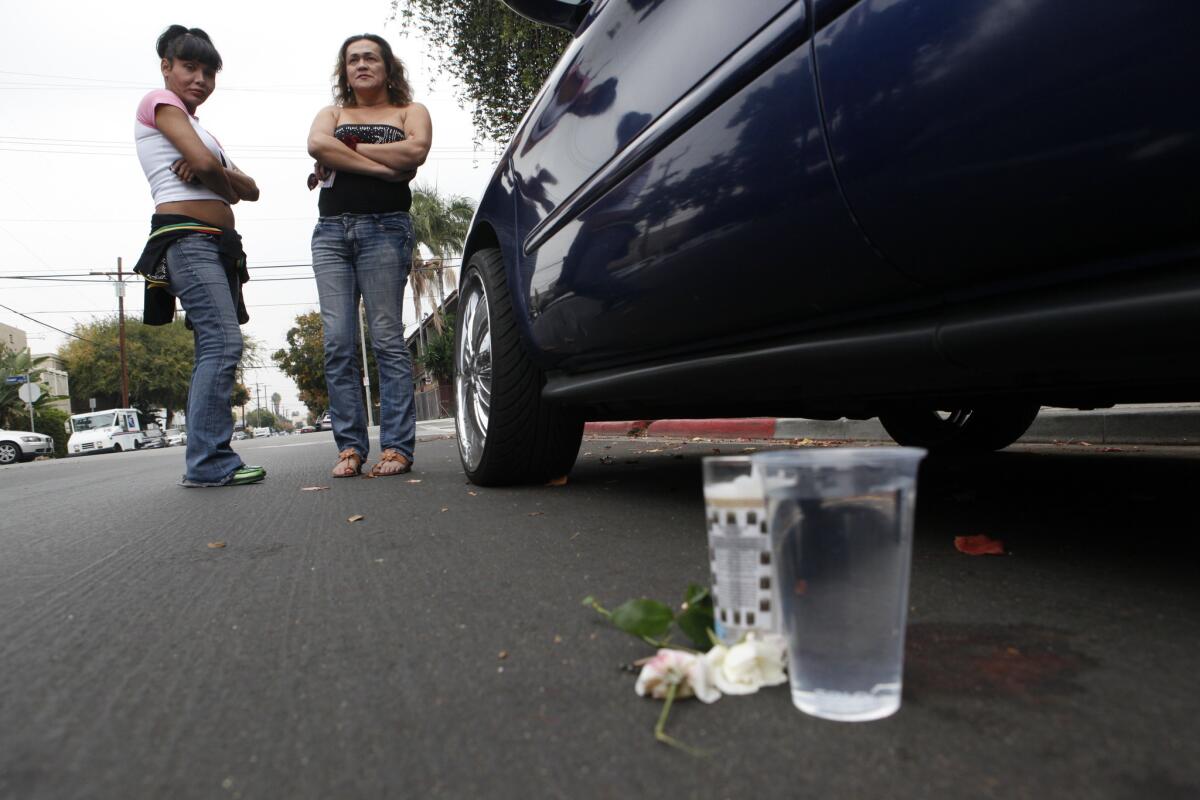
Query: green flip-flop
[{"x": 247, "y": 474}]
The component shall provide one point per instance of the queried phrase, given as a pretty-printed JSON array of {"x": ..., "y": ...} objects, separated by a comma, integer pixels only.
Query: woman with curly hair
[{"x": 367, "y": 145}]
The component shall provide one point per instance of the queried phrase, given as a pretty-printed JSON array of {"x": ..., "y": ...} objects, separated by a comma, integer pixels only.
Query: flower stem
[{"x": 661, "y": 735}]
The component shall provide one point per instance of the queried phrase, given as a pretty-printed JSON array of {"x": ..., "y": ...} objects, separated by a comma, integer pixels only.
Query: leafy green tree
[
  {"x": 261, "y": 418},
  {"x": 14, "y": 413},
  {"x": 499, "y": 58},
  {"x": 438, "y": 358},
  {"x": 159, "y": 358},
  {"x": 303, "y": 360},
  {"x": 440, "y": 226},
  {"x": 240, "y": 395},
  {"x": 52, "y": 422},
  {"x": 276, "y": 399}
]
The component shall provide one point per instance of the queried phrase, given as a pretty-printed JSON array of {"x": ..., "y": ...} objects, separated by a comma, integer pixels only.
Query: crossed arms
[{"x": 396, "y": 161}]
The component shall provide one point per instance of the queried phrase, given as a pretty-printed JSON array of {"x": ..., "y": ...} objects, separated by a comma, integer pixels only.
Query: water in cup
[{"x": 841, "y": 531}]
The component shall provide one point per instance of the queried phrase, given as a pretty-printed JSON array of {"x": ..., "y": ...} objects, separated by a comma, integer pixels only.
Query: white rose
[
  {"x": 749, "y": 664},
  {"x": 687, "y": 671}
]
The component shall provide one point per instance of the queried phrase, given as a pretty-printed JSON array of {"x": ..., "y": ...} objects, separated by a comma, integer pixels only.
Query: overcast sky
[{"x": 74, "y": 198}]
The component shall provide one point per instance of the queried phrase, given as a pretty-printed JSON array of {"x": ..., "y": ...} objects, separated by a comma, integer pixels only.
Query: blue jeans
[
  {"x": 204, "y": 289},
  {"x": 366, "y": 255}
]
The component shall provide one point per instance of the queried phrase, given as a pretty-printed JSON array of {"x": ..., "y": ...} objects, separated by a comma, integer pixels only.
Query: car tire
[
  {"x": 117, "y": 447},
  {"x": 507, "y": 433},
  {"x": 976, "y": 429},
  {"x": 10, "y": 453}
]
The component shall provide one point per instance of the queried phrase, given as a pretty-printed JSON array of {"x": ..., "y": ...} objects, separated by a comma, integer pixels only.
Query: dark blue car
[{"x": 945, "y": 213}]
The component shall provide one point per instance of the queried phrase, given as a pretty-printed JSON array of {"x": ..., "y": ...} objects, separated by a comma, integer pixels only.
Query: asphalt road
[{"x": 438, "y": 647}]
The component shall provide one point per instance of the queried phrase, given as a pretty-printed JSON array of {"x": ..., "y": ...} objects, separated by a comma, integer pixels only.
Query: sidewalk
[{"x": 1173, "y": 424}]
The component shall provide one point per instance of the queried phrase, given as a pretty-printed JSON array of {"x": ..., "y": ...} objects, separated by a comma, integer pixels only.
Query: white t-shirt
[{"x": 157, "y": 154}]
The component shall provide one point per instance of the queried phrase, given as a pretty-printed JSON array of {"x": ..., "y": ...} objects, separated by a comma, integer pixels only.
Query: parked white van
[{"x": 109, "y": 431}]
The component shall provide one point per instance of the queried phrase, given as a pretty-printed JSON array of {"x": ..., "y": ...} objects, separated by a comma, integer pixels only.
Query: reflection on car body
[{"x": 943, "y": 214}]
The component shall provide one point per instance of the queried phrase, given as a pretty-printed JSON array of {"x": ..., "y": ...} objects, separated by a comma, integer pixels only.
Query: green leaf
[
  {"x": 643, "y": 617},
  {"x": 588, "y": 601},
  {"x": 697, "y": 617},
  {"x": 695, "y": 593}
]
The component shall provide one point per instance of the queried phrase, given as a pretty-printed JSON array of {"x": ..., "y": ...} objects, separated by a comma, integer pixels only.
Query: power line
[{"x": 51, "y": 327}]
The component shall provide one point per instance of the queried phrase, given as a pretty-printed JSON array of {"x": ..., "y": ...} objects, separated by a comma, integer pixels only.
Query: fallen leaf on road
[
  {"x": 355, "y": 518},
  {"x": 445, "y": 509},
  {"x": 606, "y": 460},
  {"x": 1111, "y": 450},
  {"x": 215, "y": 545},
  {"x": 414, "y": 480},
  {"x": 979, "y": 545},
  {"x": 535, "y": 513},
  {"x": 503, "y": 654},
  {"x": 313, "y": 488},
  {"x": 557, "y": 639},
  {"x": 562, "y": 480},
  {"x": 473, "y": 494},
  {"x": 655, "y": 450}
]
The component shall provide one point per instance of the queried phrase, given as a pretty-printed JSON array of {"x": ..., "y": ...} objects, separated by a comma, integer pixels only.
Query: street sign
[
  {"x": 92, "y": 403},
  {"x": 29, "y": 392},
  {"x": 16, "y": 379}
]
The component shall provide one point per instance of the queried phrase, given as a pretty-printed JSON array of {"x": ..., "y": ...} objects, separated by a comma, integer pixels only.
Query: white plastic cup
[
  {"x": 739, "y": 550},
  {"x": 841, "y": 522}
]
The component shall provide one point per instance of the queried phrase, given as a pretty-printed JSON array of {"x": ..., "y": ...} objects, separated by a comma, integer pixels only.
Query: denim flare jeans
[
  {"x": 204, "y": 289},
  {"x": 368, "y": 256}
]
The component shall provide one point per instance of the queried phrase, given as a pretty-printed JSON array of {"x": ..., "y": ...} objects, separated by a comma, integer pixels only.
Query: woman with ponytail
[
  {"x": 368, "y": 145},
  {"x": 194, "y": 252}
]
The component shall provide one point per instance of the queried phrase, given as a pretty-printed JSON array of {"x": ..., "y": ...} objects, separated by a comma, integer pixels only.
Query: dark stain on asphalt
[{"x": 1022, "y": 663}]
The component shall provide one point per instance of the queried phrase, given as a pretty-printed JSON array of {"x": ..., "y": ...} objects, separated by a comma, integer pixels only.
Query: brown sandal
[
  {"x": 356, "y": 462},
  {"x": 385, "y": 457}
]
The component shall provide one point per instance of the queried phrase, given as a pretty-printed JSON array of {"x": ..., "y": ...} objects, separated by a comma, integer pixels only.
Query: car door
[
  {"x": 673, "y": 189},
  {"x": 995, "y": 145}
]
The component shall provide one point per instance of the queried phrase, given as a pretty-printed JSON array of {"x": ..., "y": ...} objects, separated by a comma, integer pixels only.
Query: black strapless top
[{"x": 352, "y": 193}]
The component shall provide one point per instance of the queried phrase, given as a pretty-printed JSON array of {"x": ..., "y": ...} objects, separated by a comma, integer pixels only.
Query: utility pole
[
  {"x": 362, "y": 338},
  {"x": 120, "y": 288}
]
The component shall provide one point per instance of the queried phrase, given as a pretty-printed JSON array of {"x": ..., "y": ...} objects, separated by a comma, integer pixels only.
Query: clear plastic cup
[
  {"x": 840, "y": 522},
  {"x": 739, "y": 549}
]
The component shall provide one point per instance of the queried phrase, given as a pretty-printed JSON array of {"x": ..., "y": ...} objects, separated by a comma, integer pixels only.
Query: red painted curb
[
  {"x": 745, "y": 428},
  {"x": 631, "y": 428}
]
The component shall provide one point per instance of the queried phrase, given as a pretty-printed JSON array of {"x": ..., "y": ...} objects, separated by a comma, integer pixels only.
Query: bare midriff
[{"x": 214, "y": 212}]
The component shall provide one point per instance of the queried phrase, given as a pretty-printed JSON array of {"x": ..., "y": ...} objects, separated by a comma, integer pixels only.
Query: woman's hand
[{"x": 184, "y": 172}]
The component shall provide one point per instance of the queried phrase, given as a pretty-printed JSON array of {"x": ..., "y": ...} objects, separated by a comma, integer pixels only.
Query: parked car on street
[
  {"x": 942, "y": 214},
  {"x": 175, "y": 437},
  {"x": 324, "y": 422},
  {"x": 18, "y": 446},
  {"x": 261, "y": 432},
  {"x": 154, "y": 438}
]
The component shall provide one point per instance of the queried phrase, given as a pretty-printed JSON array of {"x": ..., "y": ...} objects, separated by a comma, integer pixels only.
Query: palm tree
[
  {"x": 439, "y": 226},
  {"x": 276, "y": 399}
]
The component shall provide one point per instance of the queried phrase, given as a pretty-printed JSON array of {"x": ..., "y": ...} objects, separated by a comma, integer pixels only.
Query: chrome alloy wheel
[{"x": 473, "y": 372}]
